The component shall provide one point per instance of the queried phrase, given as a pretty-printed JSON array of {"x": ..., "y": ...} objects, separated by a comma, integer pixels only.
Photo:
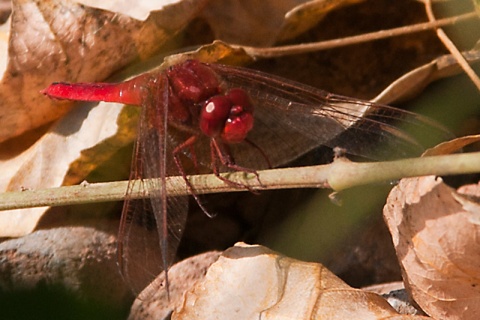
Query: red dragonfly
[{"x": 226, "y": 119}]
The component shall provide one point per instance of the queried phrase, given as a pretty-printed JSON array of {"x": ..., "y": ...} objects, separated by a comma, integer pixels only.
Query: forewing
[
  {"x": 151, "y": 228},
  {"x": 292, "y": 119}
]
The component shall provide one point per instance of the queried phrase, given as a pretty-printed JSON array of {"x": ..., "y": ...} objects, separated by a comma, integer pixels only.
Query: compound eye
[
  {"x": 237, "y": 127},
  {"x": 214, "y": 114},
  {"x": 239, "y": 97}
]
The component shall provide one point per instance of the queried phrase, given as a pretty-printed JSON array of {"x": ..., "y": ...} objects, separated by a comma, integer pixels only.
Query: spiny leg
[
  {"x": 260, "y": 150},
  {"x": 189, "y": 144},
  {"x": 220, "y": 152}
]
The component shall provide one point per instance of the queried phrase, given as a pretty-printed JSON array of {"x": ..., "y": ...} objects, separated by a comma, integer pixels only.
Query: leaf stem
[{"x": 452, "y": 48}]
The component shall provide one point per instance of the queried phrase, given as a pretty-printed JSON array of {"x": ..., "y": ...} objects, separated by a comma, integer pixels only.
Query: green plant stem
[{"x": 338, "y": 175}]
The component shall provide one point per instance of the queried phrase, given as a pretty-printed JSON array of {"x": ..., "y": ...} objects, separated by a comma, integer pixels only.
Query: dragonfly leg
[
  {"x": 254, "y": 145},
  {"x": 194, "y": 158},
  {"x": 176, "y": 152},
  {"x": 221, "y": 152}
]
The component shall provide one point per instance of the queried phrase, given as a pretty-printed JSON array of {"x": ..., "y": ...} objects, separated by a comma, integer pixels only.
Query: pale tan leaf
[
  {"x": 48, "y": 162},
  {"x": 252, "y": 282},
  {"x": 139, "y": 10},
  {"x": 182, "y": 276},
  {"x": 66, "y": 41},
  {"x": 470, "y": 205},
  {"x": 436, "y": 240}
]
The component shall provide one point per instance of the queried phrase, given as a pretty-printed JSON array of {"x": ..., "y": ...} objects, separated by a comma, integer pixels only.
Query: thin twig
[
  {"x": 339, "y": 175},
  {"x": 336, "y": 43},
  {"x": 451, "y": 47}
]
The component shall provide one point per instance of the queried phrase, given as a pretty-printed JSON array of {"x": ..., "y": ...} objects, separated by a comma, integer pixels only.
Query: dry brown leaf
[
  {"x": 414, "y": 82},
  {"x": 436, "y": 240},
  {"x": 252, "y": 282},
  {"x": 66, "y": 41},
  {"x": 217, "y": 52},
  {"x": 452, "y": 146},
  {"x": 306, "y": 15},
  {"x": 244, "y": 22}
]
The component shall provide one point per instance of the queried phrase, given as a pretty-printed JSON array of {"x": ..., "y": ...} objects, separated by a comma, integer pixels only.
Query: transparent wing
[
  {"x": 151, "y": 228},
  {"x": 292, "y": 119}
]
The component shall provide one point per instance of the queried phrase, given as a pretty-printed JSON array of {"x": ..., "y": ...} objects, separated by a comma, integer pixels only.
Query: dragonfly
[{"x": 217, "y": 118}]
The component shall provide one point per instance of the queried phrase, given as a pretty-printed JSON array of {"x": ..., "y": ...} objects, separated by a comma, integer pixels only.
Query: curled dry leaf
[
  {"x": 414, "y": 82},
  {"x": 80, "y": 260},
  {"x": 306, "y": 15},
  {"x": 252, "y": 282},
  {"x": 435, "y": 233},
  {"x": 64, "y": 40},
  {"x": 452, "y": 146},
  {"x": 243, "y": 22}
]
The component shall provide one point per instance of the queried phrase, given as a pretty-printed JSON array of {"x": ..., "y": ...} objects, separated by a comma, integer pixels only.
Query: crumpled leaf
[
  {"x": 244, "y": 22},
  {"x": 155, "y": 303},
  {"x": 63, "y": 40},
  {"x": 252, "y": 282},
  {"x": 435, "y": 231}
]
